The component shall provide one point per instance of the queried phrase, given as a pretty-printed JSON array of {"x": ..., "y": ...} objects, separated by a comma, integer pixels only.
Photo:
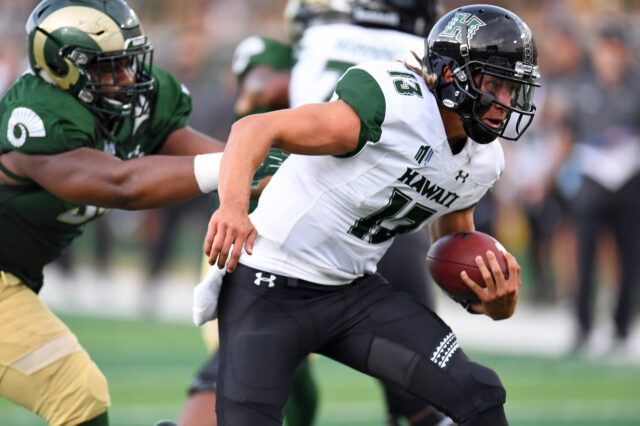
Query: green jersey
[{"x": 39, "y": 118}]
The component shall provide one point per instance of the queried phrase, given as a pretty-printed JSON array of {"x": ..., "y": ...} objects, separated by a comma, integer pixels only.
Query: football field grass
[{"x": 149, "y": 365}]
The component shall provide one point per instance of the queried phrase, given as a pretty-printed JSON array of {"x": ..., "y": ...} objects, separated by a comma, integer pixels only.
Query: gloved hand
[{"x": 205, "y": 296}]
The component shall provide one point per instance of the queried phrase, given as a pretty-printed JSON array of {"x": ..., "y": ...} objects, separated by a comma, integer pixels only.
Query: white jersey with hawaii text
[
  {"x": 326, "y": 51},
  {"x": 329, "y": 219}
]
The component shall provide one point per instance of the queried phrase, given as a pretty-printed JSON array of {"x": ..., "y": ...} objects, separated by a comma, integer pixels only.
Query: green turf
[{"x": 149, "y": 365}]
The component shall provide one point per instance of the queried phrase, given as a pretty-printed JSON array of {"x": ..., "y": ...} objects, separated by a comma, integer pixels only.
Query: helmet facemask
[
  {"x": 482, "y": 84},
  {"x": 104, "y": 92}
]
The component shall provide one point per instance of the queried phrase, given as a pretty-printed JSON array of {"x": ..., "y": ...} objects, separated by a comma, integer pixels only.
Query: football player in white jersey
[
  {"x": 398, "y": 148},
  {"x": 332, "y": 36}
]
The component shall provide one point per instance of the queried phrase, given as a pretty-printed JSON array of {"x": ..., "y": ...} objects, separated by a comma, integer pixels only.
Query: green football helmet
[{"x": 81, "y": 46}]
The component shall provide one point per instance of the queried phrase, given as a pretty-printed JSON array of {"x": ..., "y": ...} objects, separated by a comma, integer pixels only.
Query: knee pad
[
  {"x": 465, "y": 389},
  {"x": 482, "y": 385},
  {"x": 462, "y": 389}
]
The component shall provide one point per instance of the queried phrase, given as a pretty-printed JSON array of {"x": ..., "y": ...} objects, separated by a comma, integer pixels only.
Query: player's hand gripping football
[
  {"x": 499, "y": 298},
  {"x": 229, "y": 231}
]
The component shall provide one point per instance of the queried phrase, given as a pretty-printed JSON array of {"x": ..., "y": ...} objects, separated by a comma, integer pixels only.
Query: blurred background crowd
[{"x": 567, "y": 205}]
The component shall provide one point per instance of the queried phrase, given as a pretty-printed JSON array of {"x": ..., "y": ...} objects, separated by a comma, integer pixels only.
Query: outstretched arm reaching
[{"x": 92, "y": 177}]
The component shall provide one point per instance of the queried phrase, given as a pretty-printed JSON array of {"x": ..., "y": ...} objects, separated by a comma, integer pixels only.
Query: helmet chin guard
[{"x": 477, "y": 133}]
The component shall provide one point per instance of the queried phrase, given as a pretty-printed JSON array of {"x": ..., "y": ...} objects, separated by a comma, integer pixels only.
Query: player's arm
[
  {"x": 188, "y": 141},
  {"x": 262, "y": 88},
  {"x": 331, "y": 128},
  {"x": 92, "y": 177},
  {"x": 499, "y": 298},
  {"x": 458, "y": 221}
]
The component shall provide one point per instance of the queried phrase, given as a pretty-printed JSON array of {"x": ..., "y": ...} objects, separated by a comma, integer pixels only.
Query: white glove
[{"x": 205, "y": 296}]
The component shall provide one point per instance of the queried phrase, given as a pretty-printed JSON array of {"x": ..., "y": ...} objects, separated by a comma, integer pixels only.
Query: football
[{"x": 454, "y": 253}]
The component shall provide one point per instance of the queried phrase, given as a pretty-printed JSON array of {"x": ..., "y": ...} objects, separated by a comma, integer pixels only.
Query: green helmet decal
[{"x": 462, "y": 22}]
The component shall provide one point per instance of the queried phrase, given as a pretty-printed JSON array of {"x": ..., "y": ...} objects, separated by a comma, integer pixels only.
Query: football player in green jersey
[
  {"x": 261, "y": 66},
  {"x": 92, "y": 125}
]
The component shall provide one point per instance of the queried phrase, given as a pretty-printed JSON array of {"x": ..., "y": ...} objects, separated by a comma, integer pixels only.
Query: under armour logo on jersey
[
  {"x": 424, "y": 154},
  {"x": 462, "y": 176},
  {"x": 260, "y": 279}
]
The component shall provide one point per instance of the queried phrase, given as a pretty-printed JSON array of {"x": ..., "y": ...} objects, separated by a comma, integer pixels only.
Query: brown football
[{"x": 454, "y": 253}]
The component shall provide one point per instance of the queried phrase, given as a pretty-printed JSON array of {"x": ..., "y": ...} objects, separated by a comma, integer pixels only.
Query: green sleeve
[
  {"x": 256, "y": 51},
  {"x": 362, "y": 92},
  {"x": 38, "y": 118},
  {"x": 172, "y": 106}
]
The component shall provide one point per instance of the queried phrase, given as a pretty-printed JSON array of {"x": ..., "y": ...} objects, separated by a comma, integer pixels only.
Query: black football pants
[{"x": 269, "y": 323}]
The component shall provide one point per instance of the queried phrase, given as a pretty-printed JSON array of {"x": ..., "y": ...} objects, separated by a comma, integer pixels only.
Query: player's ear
[{"x": 447, "y": 74}]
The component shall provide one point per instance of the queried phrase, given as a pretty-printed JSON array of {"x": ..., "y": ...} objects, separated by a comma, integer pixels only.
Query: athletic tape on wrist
[{"x": 206, "y": 169}]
